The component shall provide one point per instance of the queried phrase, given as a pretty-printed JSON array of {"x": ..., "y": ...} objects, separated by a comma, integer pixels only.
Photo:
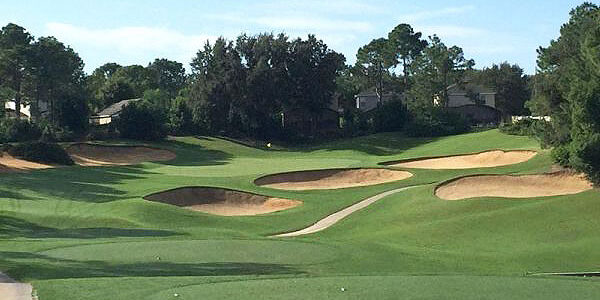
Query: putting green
[{"x": 199, "y": 251}]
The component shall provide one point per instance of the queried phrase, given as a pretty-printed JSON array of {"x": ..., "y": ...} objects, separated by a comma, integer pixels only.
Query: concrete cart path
[
  {"x": 12, "y": 290},
  {"x": 335, "y": 217}
]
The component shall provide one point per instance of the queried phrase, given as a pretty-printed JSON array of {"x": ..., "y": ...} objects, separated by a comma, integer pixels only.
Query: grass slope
[{"x": 86, "y": 233}]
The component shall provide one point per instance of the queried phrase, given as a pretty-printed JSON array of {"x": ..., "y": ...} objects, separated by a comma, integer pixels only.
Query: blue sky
[{"x": 136, "y": 31}]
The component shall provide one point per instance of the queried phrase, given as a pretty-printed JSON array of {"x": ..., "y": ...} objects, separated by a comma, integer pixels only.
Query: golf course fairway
[{"x": 88, "y": 233}]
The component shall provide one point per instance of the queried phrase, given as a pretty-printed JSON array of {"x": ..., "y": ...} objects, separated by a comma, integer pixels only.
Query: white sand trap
[
  {"x": 9, "y": 163},
  {"x": 330, "y": 179},
  {"x": 468, "y": 161},
  {"x": 508, "y": 186},
  {"x": 222, "y": 202},
  {"x": 99, "y": 155}
]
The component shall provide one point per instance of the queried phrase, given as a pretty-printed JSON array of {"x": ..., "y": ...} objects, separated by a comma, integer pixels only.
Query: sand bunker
[
  {"x": 468, "y": 161},
  {"x": 98, "y": 155},
  {"x": 10, "y": 163},
  {"x": 523, "y": 186},
  {"x": 331, "y": 179},
  {"x": 222, "y": 202}
]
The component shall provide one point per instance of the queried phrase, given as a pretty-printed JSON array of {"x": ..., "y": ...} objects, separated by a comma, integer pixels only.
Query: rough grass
[{"x": 86, "y": 233}]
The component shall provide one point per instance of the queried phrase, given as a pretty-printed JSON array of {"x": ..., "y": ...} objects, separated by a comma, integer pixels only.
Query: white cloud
[
  {"x": 432, "y": 14},
  {"x": 131, "y": 44}
]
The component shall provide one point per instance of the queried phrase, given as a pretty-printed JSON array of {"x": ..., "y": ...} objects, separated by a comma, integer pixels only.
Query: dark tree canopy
[
  {"x": 567, "y": 88},
  {"x": 511, "y": 86}
]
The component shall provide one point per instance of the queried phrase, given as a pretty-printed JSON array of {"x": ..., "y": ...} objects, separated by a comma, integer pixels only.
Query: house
[
  {"x": 9, "y": 108},
  {"x": 367, "y": 101},
  {"x": 110, "y": 113},
  {"x": 473, "y": 101}
]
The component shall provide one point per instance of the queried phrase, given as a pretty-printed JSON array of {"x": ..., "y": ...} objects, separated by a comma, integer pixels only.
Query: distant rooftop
[{"x": 116, "y": 108}]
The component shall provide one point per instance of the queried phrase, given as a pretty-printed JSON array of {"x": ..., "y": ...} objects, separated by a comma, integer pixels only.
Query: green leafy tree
[
  {"x": 15, "y": 64},
  {"x": 96, "y": 81},
  {"x": 142, "y": 120},
  {"x": 511, "y": 86},
  {"x": 405, "y": 45},
  {"x": 567, "y": 89},
  {"x": 60, "y": 82},
  {"x": 216, "y": 79},
  {"x": 115, "y": 89},
  {"x": 437, "y": 68},
  {"x": 376, "y": 58},
  {"x": 168, "y": 76},
  {"x": 313, "y": 68},
  {"x": 266, "y": 83},
  {"x": 181, "y": 118}
]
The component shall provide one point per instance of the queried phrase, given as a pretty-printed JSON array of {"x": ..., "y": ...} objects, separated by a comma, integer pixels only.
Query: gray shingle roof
[{"x": 116, "y": 108}]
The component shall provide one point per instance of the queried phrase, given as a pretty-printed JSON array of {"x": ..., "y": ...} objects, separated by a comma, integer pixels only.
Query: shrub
[
  {"x": 585, "y": 155},
  {"x": 180, "y": 118},
  {"x": 561, "y": 155},
  {"x": 390, "y": 116},
  {"x": 72, "y": 115},
  {"x": 141, "y": 121},
  {"x": 18, "y": 130},
  {"x": 437, "y": 122},
  {"x": 521, "y": 127},
  {"x": 41, "y": 152}
]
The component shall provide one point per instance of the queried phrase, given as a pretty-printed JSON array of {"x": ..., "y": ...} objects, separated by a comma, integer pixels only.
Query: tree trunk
[
  {"x": 379, "y": 86},
  {"x": 445, "y": 89},
  {"x": 405, "y": 71},
  {"x": 18, "y": 98}
]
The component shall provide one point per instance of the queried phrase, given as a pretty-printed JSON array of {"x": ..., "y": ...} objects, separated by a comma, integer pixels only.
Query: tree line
[
  {"x": 247, "y": 86},
  {"x": 567, "y": 89}
]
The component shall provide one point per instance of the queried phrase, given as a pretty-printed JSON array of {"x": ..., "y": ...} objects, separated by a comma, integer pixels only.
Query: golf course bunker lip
[
  {"x": 9, "y": 163},
  {"x": 513, "y": 186},
  {"x": 85, "y": 154},
  {"x": 223, "y": 202},
  {"x": 486, "y": 159},
  {"x": 330, "y": 178}
]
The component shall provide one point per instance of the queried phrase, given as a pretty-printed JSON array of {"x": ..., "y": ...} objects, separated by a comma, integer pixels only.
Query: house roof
[{"x": 116, "y": 108}]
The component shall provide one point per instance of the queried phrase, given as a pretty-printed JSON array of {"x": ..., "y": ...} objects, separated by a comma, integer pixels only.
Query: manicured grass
[{"x": 86, "y": 233}]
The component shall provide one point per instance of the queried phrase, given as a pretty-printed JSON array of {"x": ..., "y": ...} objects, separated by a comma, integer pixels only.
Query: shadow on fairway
[
  {"x": 390, "y": 143},
  {"x": 85, "y": 184},
  {"x": 32, "y": 266},
  {"x": 14, "y": 195},
  {"x": 194, "y": 155},
  {"x": 380, "y": 144},
  {"x": 13, "y": 228}
]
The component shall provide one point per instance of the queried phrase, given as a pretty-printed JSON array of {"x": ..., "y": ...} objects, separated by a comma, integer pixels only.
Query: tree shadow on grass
[
  {"x": 18, "y": 228},
  {"x": 34, "y": 266},
  {"x": 14, "y": 195},
  {"x": 381, "y": 144},
  {"x": 391, "y": 143},
  {"x": 77, "y": 183},
  {"x": 194, "y": 155}
]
